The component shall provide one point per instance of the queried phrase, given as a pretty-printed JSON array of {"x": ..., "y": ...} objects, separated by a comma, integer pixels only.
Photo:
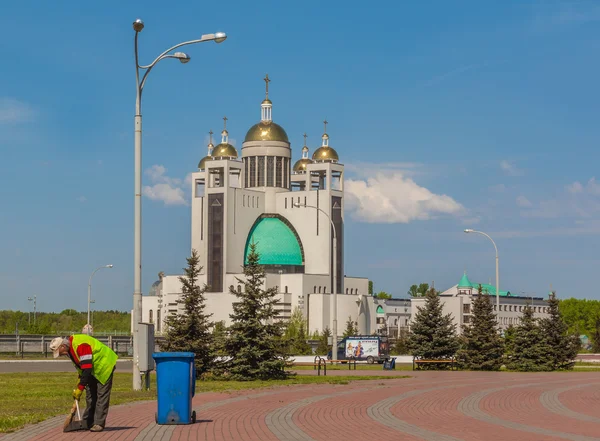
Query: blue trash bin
[{"x": 175, "y": 386}]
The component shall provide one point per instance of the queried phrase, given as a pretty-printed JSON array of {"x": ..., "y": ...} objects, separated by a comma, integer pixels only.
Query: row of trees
[
  {"x": 69, "y": 320},
  {"x": 251, "y": 348},
  {"x": 533, "y": 345}
]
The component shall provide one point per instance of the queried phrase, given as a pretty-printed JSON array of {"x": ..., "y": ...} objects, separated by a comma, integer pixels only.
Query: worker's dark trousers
[{"x": 97, "y": 399}]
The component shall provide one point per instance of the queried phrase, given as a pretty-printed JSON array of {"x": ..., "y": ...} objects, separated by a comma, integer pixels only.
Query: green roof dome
[
  {"x": 465, "y": 282},
  {"x": 276, "y": 243}
]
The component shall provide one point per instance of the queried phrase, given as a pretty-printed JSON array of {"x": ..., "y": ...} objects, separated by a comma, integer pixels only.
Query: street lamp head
[
  {"x": 109, "y": 266},
  {"x": 220, "y": 37},
  {"x": 182, "y": 56},
  {"x": 138, "y": 25},
  {"x": 468, "y": 230},
  {"x": 296, "y": 204}
]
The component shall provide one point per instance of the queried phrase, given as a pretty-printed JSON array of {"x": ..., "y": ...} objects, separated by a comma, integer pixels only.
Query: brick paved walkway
[{"x": 431, "y": 406}]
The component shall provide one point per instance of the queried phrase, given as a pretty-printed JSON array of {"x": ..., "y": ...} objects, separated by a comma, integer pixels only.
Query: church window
[
  {"x": 261, "y": 171},
  {"x": 231, "y": 289},
  {"x": 270, "y": 170},
  {"x": 286, "y": 289},
  {"x": 319, "y": 290},
  {"x": 151, "y": 317},
  {"x": 315, "y": 289},
  {"x": 246, "y": 173},
  {"x": 346, "y": 290},
  {"x": 244, "y": 201},
  {"x": 286, "y": 172},
  {"x": 278, "y": 172},
  {"x": 285, "y": 203},
  {"x": 252, "y": 201},
  {"x": 324, "y": 289},
  {"x": 304, "y": 200},
  {"x": 239, "y": 288},
  {"x": 252, "y": 182}
]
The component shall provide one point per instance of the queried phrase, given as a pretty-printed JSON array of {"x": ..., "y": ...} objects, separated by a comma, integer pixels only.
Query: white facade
[{"x": 236, "y": 201}]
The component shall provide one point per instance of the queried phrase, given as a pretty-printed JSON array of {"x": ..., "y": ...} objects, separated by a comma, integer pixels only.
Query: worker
[{"x": 95, "y": 363}]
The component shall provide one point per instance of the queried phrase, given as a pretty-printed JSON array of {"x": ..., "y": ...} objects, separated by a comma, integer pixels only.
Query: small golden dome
[
  {"x": 224, "y": 150},
  {"x": 300, "y": 165},
  {"x": 325, "y": 154},
  {"x": 202, "y": 163},
  {"x": 266, "y": 131},
  {"x": 267, "y": 101}
]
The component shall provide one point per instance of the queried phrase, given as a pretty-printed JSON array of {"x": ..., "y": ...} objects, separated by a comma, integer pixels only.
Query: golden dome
[
  {"x": 300, "y": 165},
  {"x": 325, "y": 154},
  {"x": 266, "y": 131},
  {"x": 202, "y": 163},
  {"x": 225, "y": 150}
]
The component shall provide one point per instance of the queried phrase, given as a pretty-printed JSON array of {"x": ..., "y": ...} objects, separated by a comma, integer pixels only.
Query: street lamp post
[
  {"x": 138, "y": 25},
  {"x": 90, "y": 294},
  {"x": 34, "y": 300},
  {"x": 468, "y": 230},
  {"x": 92, "y": 322},
  {"x": 334, "y": 287}
]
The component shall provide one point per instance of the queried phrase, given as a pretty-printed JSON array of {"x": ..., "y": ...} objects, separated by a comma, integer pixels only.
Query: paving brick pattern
[{"x": 430, "y": 406}]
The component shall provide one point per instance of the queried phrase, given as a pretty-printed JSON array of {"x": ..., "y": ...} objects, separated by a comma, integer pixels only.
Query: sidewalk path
[{"x": 432, "y": 406}]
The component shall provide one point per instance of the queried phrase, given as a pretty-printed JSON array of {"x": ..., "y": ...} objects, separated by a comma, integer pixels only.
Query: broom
[{"x": 71, "y": 425}]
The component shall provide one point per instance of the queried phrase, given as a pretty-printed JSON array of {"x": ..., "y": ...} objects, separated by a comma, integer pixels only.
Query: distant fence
[{"x": 40, "y": 344}]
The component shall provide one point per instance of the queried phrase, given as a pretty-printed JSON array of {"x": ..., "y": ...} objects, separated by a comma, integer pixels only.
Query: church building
[{"x": 292, "y": 210}]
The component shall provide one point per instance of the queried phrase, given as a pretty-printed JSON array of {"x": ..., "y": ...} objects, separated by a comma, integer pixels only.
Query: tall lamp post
[
  {"x": 90, "y": 294},
  {"x": 138, "y": 25},
  {"x": 468, "y": 230},
  {"x": 92, "y": 322},
  {"x": 334, "y": 287},
  {"x": 34, "y": 300}
]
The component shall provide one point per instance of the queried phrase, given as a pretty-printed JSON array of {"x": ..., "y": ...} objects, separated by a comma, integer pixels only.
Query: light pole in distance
[
  {"x": 34, "y": 300},
  {"x": 138, "y": 25},
  {"x": 334, "y": 287},
  {"x": 468, "y": 230},
  {"x": 90, "y": 294}
]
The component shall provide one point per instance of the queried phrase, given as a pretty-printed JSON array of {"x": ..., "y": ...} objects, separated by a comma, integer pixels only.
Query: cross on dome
[
  {"x": 267, "y": 81},
  {"x": 224, "y": 133}
]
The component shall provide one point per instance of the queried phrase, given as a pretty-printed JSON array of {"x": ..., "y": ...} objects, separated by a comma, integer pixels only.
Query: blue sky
[{"x": 448, "y": 115}]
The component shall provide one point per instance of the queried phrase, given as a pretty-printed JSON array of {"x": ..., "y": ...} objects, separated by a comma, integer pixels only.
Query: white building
[
  {"x": 238, "y": 199},
  {"x": 457, "y": 301}
]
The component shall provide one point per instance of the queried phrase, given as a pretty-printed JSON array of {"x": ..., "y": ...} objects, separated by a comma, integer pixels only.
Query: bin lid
[{"x": 168, "y": 355}]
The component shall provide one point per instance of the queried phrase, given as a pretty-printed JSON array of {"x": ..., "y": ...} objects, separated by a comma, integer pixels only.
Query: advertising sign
[{"x": 362, "y": 347}]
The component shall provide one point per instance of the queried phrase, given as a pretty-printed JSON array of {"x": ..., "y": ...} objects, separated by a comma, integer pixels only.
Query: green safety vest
[{"x": 103, "y": 358}]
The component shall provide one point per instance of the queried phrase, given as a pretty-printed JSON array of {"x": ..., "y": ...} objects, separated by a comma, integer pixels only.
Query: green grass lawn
[{"x": 27, "y": 398}]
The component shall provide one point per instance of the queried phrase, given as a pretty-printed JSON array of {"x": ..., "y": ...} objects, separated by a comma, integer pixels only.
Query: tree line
[
  {"x": 66, "y": 321},
  {"x": 533, "y": 345}
]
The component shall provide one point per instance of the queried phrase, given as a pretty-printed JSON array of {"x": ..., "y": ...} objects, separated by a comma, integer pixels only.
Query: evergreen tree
[
  {"x": 596, "y": 336},
  {"x": 563, "y": 347},
  {"x": 483, "y": 347},
  {"x": 219, "y": 333},
  {"x": 254, "y": 341},
  {"x": 433, "y": 335},
  {"x": 351, "y": 328},
  {"x": 401, "y": 344},
  {"x": 294, "y": 338},
  {"x": 509, "y": 341},
  {"x": 189, "y": 329},
  {"x": 323, "y": 347},
  {"x": 301, "y": 346},
  {"x": 530, "y": 350}
]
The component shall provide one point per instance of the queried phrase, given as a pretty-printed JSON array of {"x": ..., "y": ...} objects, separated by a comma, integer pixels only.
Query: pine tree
[
  {"x": 301, "y": 346},
  {"x": 433, "y": 335},
  {"x": 509, "y": 341},
  {"x": 401, "y": 344},
  {"x": 483, "y": 347},
  {"x": 563, "y": 347},
  {"x": 323, "y": 347},
  {"x": 219, "y": 333},
  {"x": 351, "y": 328},
  {"x": 189, "y": 329},
  {"x": 294, "y": 338},
  {"x": 530, "y": 350},
  {"x": 254, "y": 341}
]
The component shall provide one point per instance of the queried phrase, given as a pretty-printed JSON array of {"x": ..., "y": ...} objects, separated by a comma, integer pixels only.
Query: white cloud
[
  {"x": 395, "y": 199},
  {"x": 522, "y": 201},
  {"x": 163, "y": 188},
  {"x": 509, "y": 168},
  {"x": 367, "y": 169},
  {"x": 591, "y": 188},
  {"x": 13, "y": 111}
]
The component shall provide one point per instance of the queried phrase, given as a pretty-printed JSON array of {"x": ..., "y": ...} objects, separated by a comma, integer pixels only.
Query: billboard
[{"x": 362, "y": 347}]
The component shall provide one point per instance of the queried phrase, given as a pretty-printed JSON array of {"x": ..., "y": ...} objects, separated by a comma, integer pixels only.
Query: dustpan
[{"x": 72, "y": 424}]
